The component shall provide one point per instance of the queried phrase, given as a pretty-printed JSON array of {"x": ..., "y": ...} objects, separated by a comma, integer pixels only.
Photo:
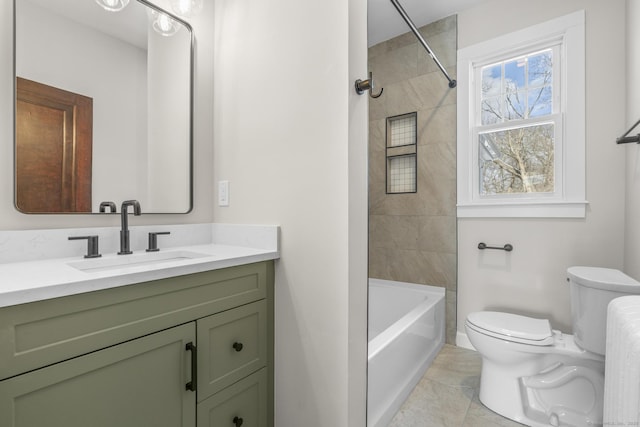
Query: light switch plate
[{"x": 223, "y": 193}]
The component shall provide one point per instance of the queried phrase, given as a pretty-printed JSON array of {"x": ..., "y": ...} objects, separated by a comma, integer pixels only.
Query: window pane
[
  {"x": 514, "y": 73},
  {"x": 540, "y": 102},
  {"x": 517, "y": 89},
  {"x": 515, "y": 105},
  {"x": 491, "y": 80},
  {"x": 517, "y": 161},
  {"x": 402, "y": 130},
  {"x": 540, "y": 68},
  {"x": 491, "y": 111},
  {"x": 401, "y": 174}
]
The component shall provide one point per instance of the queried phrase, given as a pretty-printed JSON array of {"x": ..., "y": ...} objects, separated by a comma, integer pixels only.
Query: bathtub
[{"x": 406, "y": 331}]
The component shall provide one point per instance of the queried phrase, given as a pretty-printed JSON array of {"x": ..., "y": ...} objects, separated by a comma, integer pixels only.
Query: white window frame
[{"x": 568, "y": 200}]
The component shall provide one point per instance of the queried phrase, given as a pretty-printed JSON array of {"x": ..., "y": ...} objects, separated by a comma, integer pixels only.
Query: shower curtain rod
[
  {"x": 452, "y": 83},
  {"x": 624, "y": 139}
]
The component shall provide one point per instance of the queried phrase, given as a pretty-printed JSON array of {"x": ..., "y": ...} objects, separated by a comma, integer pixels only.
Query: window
[
  {"x": 521, "y": 123},
  {"x": 402, "y": 168}
]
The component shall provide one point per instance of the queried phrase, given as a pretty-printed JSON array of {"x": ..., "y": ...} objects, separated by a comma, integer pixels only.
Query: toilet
[{"x": 539, "y": 376}]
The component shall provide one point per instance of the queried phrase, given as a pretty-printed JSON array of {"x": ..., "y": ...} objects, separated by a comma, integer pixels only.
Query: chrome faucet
[{"x": 124, "y": 232}]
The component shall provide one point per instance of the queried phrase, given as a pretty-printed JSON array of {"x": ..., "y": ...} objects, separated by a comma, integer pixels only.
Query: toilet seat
[{"x": 512, "y": 327}]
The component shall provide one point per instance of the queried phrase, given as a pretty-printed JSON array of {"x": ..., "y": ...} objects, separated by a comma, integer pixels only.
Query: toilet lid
[{"x": 512, "y": 327}]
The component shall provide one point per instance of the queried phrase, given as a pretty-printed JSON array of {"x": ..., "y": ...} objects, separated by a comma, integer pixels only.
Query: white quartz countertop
[
  {"x": 30, "y": 280},
  {"x": 24, "y": 282}
]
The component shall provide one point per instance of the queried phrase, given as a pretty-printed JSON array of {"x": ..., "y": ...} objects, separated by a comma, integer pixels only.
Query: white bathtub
[{"x": 406, "y": 331}]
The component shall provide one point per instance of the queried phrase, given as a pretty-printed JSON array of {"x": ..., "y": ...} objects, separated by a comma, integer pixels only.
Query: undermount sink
[{"x": 120, "y": 262}]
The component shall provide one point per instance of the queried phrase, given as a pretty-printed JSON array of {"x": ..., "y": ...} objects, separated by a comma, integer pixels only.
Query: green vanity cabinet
[
  {"x": 134, "y": 384},
  {"x": 125, "y": 356}
]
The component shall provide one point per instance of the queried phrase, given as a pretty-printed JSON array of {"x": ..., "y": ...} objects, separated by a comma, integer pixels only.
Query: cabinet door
[
  {"x": 231, "y": 345},
  {"x": 139, "y": 383},
  {"x": 241, "y": 404}
]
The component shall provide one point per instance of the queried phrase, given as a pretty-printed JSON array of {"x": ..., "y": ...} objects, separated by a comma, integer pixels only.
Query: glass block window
[
  {"x": 403, "y": 130},
  {"x": 402, "y": 154},
  {"x": 402, "y": 174}
]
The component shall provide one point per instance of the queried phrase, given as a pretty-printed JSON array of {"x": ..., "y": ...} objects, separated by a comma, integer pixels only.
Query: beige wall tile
[
  {"x": 377, "y": 135},
  {"x": 387, "y": 231},
  {"x": 437, "y": 125},
  {"x": 436, "y": 163},
  {"x": 451, "y": 314},
  {"x": 437, "y": 234},
  {"x": 444, "y": 46},
  {"x": 394, "y": 66}
]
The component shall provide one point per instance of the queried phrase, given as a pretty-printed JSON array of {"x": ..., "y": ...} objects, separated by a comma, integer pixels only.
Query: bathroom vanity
[{"x": 191, "y": 349}]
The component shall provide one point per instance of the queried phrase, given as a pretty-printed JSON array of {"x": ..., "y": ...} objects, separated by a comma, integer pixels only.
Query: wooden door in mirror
[{"x": 53, "y": 149}]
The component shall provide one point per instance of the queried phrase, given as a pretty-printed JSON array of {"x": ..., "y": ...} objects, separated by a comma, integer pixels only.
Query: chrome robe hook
[{"x": 367, "y": 85}]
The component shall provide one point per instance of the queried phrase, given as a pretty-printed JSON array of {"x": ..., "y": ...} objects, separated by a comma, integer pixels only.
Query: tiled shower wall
[{"x": 412, "y": 237}]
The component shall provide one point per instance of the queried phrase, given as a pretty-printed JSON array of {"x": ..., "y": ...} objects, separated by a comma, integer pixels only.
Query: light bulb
[
  {"x": 113, "y": 5},
  {"x": 186, "y": 8},
  {"x": 163, "y": 24}
]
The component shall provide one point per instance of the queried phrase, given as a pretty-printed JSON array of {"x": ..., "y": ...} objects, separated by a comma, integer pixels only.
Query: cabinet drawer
[
  {"x": 231, "y": 345},
  {"x": 41, "y": 333},
  {"x": 241, "y": 404}
]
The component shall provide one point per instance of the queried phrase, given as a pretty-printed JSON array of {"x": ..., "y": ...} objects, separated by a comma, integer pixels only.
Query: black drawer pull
[
  {"x": 193, "y": 384},
  {"x": 237, "y": 346},
  {"x": 238, "y": 421}
]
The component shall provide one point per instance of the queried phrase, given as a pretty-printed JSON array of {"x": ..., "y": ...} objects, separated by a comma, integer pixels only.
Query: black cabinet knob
[
  {"x": 237, "y": 346},
  {"x": 237, "y": 421}
]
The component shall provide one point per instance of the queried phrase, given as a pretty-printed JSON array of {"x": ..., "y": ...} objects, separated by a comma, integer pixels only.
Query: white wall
[
  {"x": 531, "y": 279},
  {"x": 632, "y": 151},
  {"x": 284, "y": 74},
  {"x": 10, "y": 219}
]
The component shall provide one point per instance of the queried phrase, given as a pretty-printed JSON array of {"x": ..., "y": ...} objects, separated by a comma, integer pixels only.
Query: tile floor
[{"x": 447, "y": 395}]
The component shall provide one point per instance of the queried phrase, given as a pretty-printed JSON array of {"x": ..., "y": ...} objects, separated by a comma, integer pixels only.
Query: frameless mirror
[{"x": 103, "y": 106}]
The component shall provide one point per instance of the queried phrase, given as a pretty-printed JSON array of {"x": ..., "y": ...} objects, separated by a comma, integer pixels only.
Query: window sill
[{"x": 560, "y": 209}]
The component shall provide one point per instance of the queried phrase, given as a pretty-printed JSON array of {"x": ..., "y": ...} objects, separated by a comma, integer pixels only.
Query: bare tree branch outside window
[{"x": 517, "y": 159}]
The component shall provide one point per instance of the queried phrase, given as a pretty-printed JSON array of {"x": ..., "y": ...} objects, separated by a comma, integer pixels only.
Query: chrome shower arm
[{"x": 452, "y": 83}]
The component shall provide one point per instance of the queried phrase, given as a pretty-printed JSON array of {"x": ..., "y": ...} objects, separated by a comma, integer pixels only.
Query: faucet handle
[
  {"x": 153, "y": 240},
  {"x": 107, "y": 205},
  {"x": 92, "y": 245}
]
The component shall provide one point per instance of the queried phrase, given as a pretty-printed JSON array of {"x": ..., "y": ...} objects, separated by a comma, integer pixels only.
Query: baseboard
[{"x": 463, "y": 341}]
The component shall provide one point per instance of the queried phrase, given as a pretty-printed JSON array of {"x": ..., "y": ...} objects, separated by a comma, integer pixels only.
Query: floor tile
[
  {"x": 456, "y": 366},
  {"x": 433, "y": 404},
  {"x": 479, "y": 415},
  {"x": 447, "y": 395}
]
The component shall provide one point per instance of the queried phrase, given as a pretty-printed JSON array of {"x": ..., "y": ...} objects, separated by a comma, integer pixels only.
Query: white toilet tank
[{"x": 592, "y": 288}]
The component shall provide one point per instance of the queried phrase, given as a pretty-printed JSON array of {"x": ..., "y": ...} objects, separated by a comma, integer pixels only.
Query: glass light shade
[
  {"x": 113, "y": 5},
  {"x": 163, "y": 24},
  {"x": 186, "y": 8}
]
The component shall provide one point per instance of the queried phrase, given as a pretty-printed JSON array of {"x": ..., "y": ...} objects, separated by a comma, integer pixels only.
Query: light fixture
[
  {"x": 186, "y": 8},
  {"x": 113, "y": 5},
  {"x": 163, "y": 24}
]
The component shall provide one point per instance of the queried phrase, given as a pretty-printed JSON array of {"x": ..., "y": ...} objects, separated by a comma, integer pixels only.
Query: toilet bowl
[
  {"x": 539, "y": 376},
  {"x": 535, "y": 375}
]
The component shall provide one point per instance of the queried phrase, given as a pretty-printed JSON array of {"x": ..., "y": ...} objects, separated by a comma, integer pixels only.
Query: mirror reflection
[{"x": 103, "y": 106}]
